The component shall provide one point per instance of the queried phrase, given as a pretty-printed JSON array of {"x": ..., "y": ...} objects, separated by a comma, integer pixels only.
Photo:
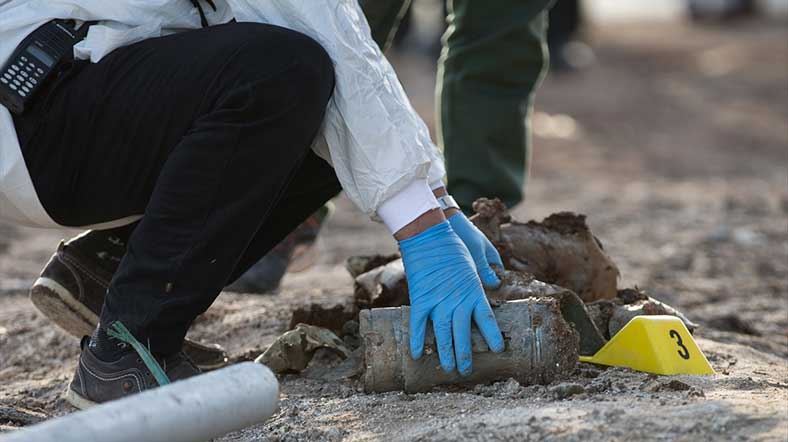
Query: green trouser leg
[
  {"x": 384, "y": 17},
  {"x": 494, "y": 56}
]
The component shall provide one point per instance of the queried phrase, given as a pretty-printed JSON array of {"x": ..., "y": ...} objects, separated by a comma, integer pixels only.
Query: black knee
[
  {"x": 305, "y": 60},
  {"x": 315, "y": 61}
]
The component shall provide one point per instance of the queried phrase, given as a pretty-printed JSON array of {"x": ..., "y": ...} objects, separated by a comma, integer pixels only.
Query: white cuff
[
  {"x": 437, "y": 184},
  {"x": 407, "y": 205}
]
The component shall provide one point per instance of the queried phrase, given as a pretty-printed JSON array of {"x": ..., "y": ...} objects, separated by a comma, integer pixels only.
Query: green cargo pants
[{"x": 494, "y": 56}]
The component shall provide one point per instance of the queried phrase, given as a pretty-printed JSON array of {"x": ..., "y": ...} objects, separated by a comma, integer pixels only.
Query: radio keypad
[{"x": 22, "y": 76}]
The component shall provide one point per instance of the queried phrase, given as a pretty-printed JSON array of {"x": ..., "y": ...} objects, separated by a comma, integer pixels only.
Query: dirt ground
[{"x": 675, "y": 144}]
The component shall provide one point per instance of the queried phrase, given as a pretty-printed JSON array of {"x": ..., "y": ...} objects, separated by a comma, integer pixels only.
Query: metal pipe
[
  {"x": 195, "y": 409},
  {"x": 540, "y": 347}
]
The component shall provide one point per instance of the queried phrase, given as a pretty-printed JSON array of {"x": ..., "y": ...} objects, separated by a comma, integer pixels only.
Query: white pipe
[{"x": 196, "y": 409}]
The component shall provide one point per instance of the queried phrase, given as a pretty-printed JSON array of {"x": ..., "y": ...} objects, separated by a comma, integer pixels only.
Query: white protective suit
[{"x": 378, "y": 145}]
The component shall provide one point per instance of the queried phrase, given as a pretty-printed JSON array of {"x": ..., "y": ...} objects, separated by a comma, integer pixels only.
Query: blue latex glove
[
  {"x": 445, "y": 288},
  {"x": 482, "y": 250}
]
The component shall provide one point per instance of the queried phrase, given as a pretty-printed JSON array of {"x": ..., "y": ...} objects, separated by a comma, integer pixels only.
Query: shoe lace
[{"x": 119, "y": 331}]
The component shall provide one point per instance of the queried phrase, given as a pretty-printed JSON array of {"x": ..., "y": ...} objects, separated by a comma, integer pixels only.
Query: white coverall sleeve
[{"x": 372, "y": 136}]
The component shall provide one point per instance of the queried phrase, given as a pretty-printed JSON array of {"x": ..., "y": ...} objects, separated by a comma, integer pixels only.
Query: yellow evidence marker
[{"x": 654, "y": 344}]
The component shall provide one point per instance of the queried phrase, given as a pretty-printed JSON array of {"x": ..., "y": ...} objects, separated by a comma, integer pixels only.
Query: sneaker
[
  {"x": 96, "y": 381},
  {"x": 70, "y": 292},
  {"x": 296, "y": 253}
]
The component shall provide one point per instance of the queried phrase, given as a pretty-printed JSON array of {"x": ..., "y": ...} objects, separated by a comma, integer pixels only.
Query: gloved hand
[
  {"x": 482, "y": 250},
  {"x": 445, "y": 288}
]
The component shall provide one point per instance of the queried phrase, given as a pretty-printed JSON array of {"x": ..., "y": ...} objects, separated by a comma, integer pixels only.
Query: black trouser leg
[
  {"x": 314, "y": 184},
  {"x": 204, "y": 131}
]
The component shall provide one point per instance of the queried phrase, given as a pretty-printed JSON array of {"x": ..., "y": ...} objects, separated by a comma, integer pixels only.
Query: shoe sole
[
  {"x": 75, "y": 399},
  {"x": 60, "y": 306}
]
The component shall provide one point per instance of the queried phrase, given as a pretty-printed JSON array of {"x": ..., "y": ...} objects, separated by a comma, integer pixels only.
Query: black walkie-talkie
[{"x": 35, "y": 61}]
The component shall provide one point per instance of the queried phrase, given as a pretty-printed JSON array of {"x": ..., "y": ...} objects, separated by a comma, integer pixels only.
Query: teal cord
[{"x": 119, "y": 331}]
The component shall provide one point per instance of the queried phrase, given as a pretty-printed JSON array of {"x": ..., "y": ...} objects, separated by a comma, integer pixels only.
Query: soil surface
[{"x": 675, "y": 145}]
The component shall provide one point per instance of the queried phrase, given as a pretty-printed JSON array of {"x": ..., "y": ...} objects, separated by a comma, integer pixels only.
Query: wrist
[
  {"x": 405, "y": 206},
  {"x": 423, "y": 222}
]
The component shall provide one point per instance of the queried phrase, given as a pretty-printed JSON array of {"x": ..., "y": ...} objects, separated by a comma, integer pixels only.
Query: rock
[
  {"x": 509, "y": 388},
  {"x": 631, "y": 296},
  {"x": 293, "y": 350},
  {"x": 587, "y": 371},
  {"x": 350, "y": 328},
  {"x": 18, "y": 416},
  {"x": 565, "y": 390},
  {"x": 319, "y": 315},
  {"x": 654, "y": 384},
  {"x": 559, "y": 250},
  {"x": 611, "y": 315},
  {"x": 384, "y": 286},
  {"x": 357, "y": 265},
  {"x": 351, "y": 335},
  {"x": 327, "y": 365},
  {"x": 675, "y": 385},
  {"x": 334, "y": 434}
]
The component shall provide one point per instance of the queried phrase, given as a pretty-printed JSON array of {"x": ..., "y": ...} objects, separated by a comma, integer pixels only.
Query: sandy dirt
[{"x": 675, "y": 144}]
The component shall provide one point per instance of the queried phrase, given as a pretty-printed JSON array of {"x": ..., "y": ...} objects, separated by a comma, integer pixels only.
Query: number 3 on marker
[{"x": 683, "y": 352}]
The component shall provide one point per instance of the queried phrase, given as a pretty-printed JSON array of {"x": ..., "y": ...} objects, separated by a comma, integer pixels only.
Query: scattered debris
[
  {"x": 509, "y": 388},
  {"x": 384, "y": 286},
  {"x": 611, "y": 315},
  {"x": 351, "y": 335},
  {"x": 586, "y": 370},
  {"x": 564, "y": 390},
  {"x": 295, "y": 348},
  {"x": 12, "y": 417},
  {"x": 332, "y": 318},
  {"x": 560, "y": 250},
  {"x": 358, "y": 265},
  {"x": 655, "y": 384},
  {"x": 557, "y": 261},
  {"x": 326, "y": 365}
]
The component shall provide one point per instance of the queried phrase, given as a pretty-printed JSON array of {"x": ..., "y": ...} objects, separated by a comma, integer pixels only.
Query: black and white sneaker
[
  {"x": 71, "y": 290},
  {"x": 97, "y": 381}
]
